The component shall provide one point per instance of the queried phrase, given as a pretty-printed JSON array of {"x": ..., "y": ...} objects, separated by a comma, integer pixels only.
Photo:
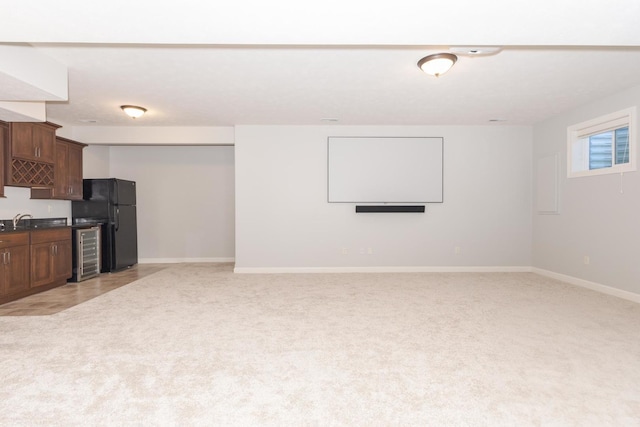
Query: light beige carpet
[{"x": 196, "y": 344}]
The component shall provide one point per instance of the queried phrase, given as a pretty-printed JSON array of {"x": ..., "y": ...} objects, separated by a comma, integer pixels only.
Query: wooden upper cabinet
[
  {"x": 33, "y": 156},
  {"x": 67, "y": 172},
  {"x": 29, "y": 154},
  {"x": 33, "y": 141},
  {"x": 22, "y": 141},
  {"x": 4, "y": 139},
  {"x": 75, "y": 171},
  {"x": 61, "y": 170},
  {"x": 44, "y": 137}
]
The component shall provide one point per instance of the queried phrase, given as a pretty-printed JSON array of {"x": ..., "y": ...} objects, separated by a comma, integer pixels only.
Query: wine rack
[{"x": 30, "y": 173}]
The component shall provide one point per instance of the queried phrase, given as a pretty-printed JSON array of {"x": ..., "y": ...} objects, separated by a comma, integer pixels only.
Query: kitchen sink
[{"x": 6, "y": 225}]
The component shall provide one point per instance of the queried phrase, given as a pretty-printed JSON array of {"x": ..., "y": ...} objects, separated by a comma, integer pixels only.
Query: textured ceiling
[
  {"x": 208, "y": 86},
  {"x": 244, "y": 63}
]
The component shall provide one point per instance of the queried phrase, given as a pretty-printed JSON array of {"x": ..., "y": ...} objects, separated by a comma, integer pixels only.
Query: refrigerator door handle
[{"x": 117, "y": 219}]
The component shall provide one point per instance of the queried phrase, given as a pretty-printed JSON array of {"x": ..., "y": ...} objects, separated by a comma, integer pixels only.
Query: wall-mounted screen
[{"x": 385, "y": 169}]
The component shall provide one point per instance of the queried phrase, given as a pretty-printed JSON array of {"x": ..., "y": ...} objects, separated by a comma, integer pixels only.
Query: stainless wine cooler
[{"x": 86, "y": 256}]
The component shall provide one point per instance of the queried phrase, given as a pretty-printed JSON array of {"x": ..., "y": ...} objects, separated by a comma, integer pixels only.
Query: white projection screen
[{"x": 385, "y": 169}]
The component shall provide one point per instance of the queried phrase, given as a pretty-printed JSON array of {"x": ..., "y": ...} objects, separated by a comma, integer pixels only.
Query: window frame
[{"x": 608, "y": 122}]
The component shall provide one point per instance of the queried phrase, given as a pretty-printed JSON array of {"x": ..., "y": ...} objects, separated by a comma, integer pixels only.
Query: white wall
[
  {"x": 95, "y": 162},
  {"x": 153, "y": 135},
  {"x": 185, "y": 200},
  {"x": 283, "y": 220},
  {"x": 599, "y": 216},
  {"x": 17, "y": 200}
]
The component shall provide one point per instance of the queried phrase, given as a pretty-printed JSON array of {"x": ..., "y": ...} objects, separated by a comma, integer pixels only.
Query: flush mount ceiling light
[
  {"x": 133, "y": 111},
  {"x": 437, "y": 64}
]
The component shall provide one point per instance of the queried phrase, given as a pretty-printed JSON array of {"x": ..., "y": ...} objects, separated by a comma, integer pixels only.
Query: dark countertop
[
  {"x": 28, "y": 224},
  {"x": 85, "y": 225},
  {"x": 87, "y": 222}
]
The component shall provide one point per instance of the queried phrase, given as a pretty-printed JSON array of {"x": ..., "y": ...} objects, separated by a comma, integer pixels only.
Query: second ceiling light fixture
[
  {"x": 437, "y": 64},
  {"x": 133, "y": 111}
]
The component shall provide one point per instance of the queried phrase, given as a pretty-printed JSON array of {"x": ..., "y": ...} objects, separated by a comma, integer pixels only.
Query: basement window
[{"x": 603, "y": 145}]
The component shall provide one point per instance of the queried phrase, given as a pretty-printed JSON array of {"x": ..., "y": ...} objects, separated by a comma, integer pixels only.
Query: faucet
[{"x": 17, "y": 218}]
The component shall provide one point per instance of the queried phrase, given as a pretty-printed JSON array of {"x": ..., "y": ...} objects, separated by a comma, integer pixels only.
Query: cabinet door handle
[
  {"x": 56, "y": 250},
  {"x": 4, "y": 257},
  {"x": 9, "y": 257}
]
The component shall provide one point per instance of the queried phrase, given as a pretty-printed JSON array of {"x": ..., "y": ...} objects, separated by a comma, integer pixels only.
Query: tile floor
[{"x": 59, "y": 299}]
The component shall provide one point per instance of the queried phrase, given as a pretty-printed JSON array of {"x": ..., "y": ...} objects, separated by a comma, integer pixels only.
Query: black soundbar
[{"x": 389, "y": 208}]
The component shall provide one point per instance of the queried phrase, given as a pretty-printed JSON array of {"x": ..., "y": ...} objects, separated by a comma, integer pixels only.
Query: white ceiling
[{"x": 298, "y": 62}]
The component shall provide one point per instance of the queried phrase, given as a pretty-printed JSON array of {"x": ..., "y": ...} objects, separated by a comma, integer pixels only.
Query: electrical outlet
[
  {"x": 362, "y": 251},
  {"x": 586, "y": 260},
  {"x": 49, "y": 208},
  {"x": 345, "y": 251},
  {"x": 457, "y": 250},
  {"x": 369, "y": 251}
]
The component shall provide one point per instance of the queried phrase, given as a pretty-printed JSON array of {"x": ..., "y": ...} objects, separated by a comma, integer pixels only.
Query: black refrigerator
[{"x": 111, "y": 203}]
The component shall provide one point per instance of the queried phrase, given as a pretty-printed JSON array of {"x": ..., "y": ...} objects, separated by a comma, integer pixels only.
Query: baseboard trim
[
  {"x": 179, "y": 260},
  {"x": 631, "y": 296},
  {"x": 445, "y": 269}
]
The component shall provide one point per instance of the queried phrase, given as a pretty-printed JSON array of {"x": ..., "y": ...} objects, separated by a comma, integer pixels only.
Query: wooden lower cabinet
[
  {"x": 41, "y": 264},
  {"x": 34, "y": 261},
  {"x": 50, "y": 256},
  {"x": 14, "y": 264},
  {"x": 63, "y": 269}
]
